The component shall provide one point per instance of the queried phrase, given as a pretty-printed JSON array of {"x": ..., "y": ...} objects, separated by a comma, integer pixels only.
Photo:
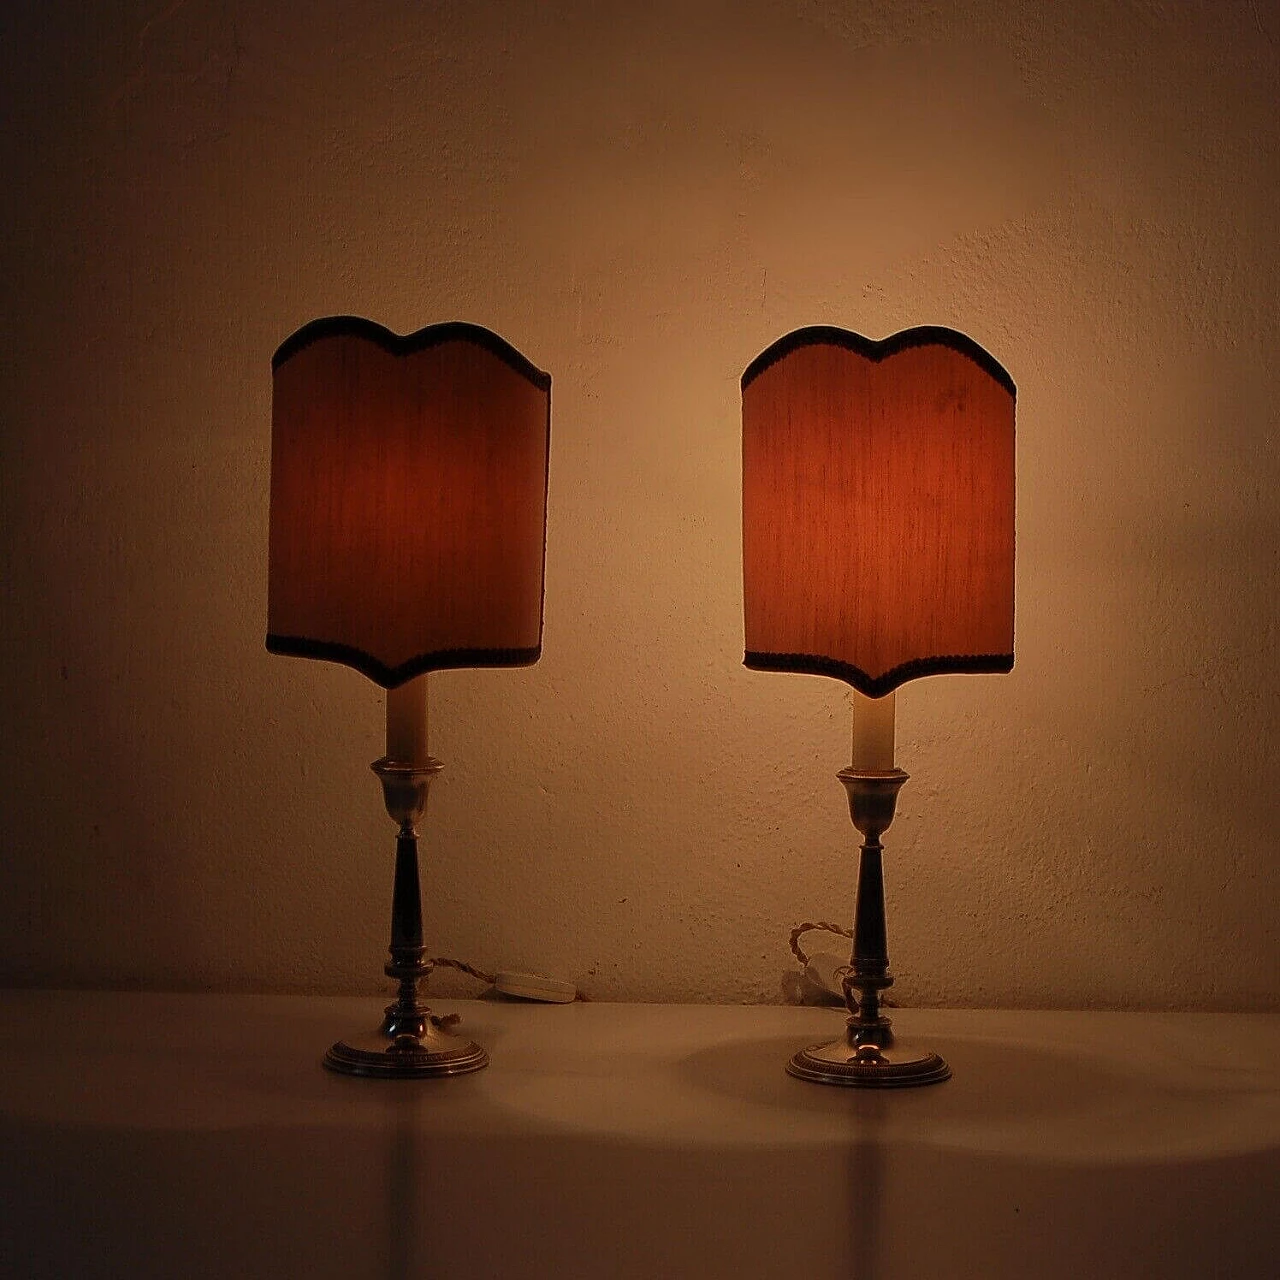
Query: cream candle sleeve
[
  {"x": 407, "y": 722},
  {"x": 873, "y": 732}
]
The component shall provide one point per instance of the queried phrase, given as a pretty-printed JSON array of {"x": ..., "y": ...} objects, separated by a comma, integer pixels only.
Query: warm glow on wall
[{"x": 641, "y": 199}]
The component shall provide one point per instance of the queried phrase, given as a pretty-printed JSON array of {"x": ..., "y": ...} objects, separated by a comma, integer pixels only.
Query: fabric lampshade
[
  {"x": 408, "y": 499},
  {"x": 877, "y": 507}
]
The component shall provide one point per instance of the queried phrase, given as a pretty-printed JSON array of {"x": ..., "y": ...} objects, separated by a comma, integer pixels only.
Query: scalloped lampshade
[
  {"x": 878, "y": 504},
  {"x": 408, "y": 499}
]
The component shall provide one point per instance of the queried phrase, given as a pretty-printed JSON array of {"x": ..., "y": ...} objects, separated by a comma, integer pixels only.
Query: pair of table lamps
[{"x": 408, "y": 535}]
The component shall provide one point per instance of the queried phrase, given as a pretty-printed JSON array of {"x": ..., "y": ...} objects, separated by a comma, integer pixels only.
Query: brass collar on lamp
[
  {"x": 408, "y": 535},
  {"x": 878, "y": 546}
]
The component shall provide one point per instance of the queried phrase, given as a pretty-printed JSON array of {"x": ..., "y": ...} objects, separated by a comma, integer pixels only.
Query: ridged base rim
[
  {"x": 393, "y": 1063},
  {"x": 901, "y": 1066}
]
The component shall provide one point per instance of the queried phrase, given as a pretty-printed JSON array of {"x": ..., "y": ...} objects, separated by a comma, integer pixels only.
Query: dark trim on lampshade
[
  {"x": 393, "y": 677},
  {"x": 925, "y": 335},
  {"x": 404, "y": 344},
  {"x": 808, "y": 664}
]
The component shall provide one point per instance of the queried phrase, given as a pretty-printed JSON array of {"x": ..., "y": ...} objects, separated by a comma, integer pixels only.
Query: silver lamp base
[
  {"x": 406, "y": 1057},
  {"x": 869, "y": 1055},
  {"x": 411, "y": 1043},
  {"x": 868, "y": 1066}
]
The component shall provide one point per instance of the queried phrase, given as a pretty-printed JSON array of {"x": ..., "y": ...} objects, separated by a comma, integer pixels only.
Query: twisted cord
[
  {"x": 462, "y": 967},
  {"x": 479, "y": 974},
  {"x": 809, "y": 927}
]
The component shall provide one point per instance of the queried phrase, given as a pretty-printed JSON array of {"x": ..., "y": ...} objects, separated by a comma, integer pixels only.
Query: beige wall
[{"x": 641, "y": 201}]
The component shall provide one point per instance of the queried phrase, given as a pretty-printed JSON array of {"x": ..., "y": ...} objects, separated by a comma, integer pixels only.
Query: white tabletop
[{"x": 193, "y": 1136}]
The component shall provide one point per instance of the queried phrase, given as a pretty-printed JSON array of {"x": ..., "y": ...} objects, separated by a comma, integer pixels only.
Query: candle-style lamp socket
[
  {"x": 873, "y": 798},
  {"x": 404, "y": 789}
]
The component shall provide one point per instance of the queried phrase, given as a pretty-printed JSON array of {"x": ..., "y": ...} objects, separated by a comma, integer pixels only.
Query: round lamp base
[
  {"x": 900, "y": 1065},
  {"x": 406, "y": 1058}
]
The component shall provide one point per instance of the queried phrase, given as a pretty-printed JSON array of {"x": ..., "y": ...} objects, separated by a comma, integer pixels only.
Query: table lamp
[
  {"x": 877, "y": 543},
  {"x": 407, "y": 535}
]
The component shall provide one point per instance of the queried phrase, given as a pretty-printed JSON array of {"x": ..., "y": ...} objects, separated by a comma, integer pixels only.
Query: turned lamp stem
[
  {"x": 410, "y": 1042},
  {"x": 868, "y": 1054},
  {"x": 872, "y": 800},
  {"x": 406, "y": 1017}
]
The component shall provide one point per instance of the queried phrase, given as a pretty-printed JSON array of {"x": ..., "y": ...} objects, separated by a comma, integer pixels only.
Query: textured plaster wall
[{"x": 642, "y": 199}]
